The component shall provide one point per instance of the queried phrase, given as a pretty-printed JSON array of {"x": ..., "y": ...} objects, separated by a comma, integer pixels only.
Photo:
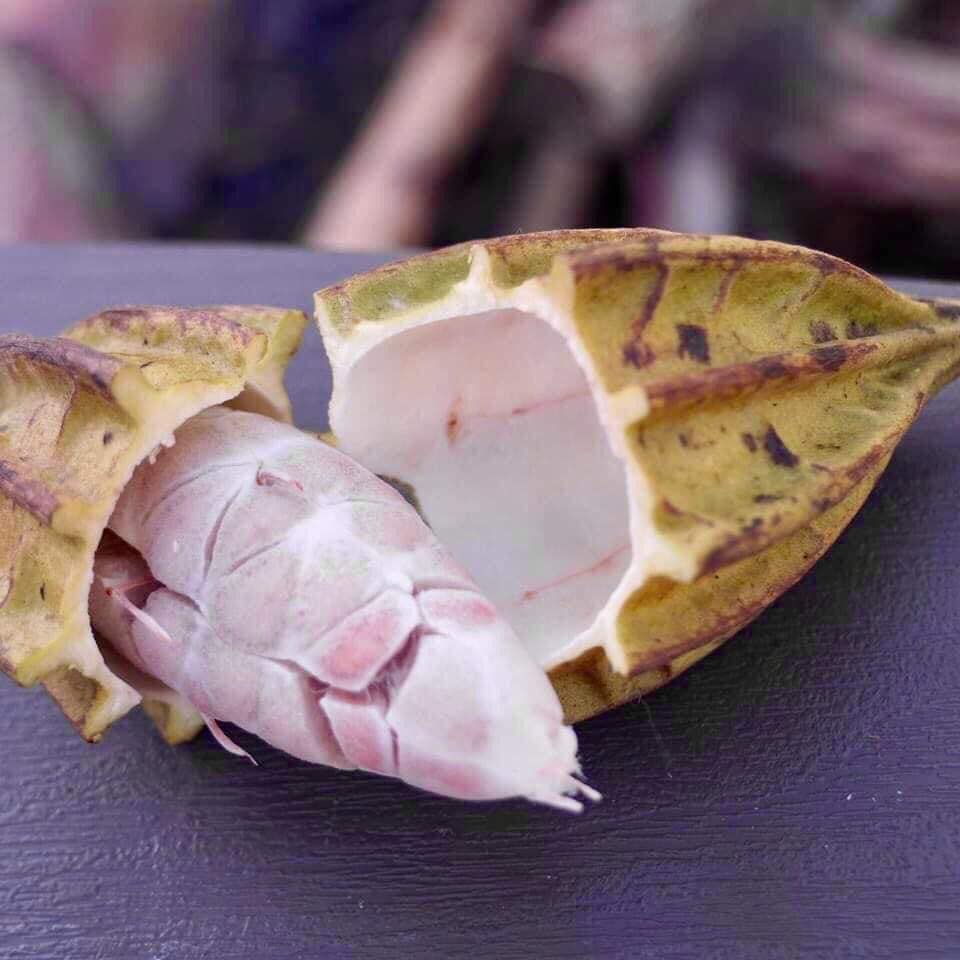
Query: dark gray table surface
[{"x": 795, "y": 795}]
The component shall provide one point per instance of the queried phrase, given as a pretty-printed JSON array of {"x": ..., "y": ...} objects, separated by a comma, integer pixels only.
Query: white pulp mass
[
  {"x": 511, "y": 465},
  {"x": 275, "y": 583}
]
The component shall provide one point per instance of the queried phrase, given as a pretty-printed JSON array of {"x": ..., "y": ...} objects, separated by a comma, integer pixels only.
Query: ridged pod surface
[
  {"x": 77, "y": 414},
  {"x": 750, "y": 394}
]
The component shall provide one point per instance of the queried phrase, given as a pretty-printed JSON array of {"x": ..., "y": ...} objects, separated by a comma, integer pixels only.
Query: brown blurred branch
[
  {"x": 384, "y": 192},
  {"x": 889, "y": 132}
]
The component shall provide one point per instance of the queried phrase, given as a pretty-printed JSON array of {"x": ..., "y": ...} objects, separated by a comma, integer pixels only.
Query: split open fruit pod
[
  {"x": 633, "y": 440},
  {"x": 77, "y": 414}
]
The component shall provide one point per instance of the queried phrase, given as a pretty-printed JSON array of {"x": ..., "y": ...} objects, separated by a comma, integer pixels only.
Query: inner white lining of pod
[
  {"x": 488, "y": 404},
  {"x": 491, "y": 419}
]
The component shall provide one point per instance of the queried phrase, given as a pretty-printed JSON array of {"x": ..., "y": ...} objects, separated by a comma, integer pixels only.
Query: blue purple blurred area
[{"x": 371, "y": 125}]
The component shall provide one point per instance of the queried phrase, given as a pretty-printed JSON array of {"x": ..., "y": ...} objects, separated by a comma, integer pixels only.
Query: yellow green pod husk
[
  {"x": 752, "y": 392},
  {"x": 77, "y": 414}
]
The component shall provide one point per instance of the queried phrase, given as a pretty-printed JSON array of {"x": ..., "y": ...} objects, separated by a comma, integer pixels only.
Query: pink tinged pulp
[{"x": 276, "y": 584}]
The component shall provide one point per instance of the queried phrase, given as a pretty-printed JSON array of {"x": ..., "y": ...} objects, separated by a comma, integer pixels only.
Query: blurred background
[{"x": 362, "y": 125}]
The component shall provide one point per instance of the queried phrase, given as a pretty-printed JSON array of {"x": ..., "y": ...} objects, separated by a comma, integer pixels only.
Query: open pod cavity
[
  {"x": 77, "y": 414},
  {"x": 633, "y": 440}
]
